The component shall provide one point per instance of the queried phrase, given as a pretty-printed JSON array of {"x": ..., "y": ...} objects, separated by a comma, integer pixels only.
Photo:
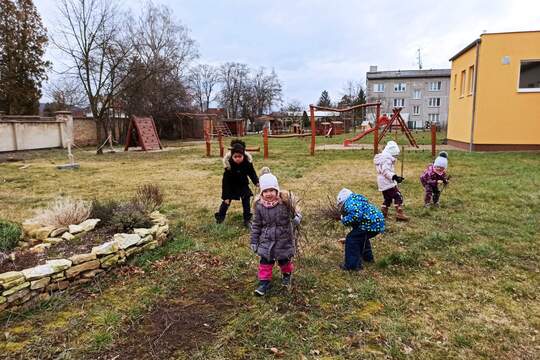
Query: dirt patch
[{"x": 23, "y": 260}]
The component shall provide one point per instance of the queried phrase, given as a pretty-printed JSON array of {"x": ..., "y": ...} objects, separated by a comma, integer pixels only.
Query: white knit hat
[
  {"x": 392, "y": 148},
  {"x": 343, "y": 195},
  {"x": 441, "y": 161},
  {"x": 268, "y": 181}
]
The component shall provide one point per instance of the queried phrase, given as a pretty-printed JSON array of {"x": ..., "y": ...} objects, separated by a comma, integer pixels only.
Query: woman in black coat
[{"x": 235, "y": 184}]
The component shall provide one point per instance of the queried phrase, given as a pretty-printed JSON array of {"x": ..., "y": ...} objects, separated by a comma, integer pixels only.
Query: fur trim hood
[{"x": 227, "y": 158}]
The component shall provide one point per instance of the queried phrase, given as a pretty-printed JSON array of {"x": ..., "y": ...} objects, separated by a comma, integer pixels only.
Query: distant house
[
  {"x": 422, "y": 94},
  {"x": 495, "y": 96}
]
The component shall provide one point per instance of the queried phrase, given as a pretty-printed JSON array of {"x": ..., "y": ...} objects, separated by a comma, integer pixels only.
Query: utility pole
[{"x": 419, "y": 59}]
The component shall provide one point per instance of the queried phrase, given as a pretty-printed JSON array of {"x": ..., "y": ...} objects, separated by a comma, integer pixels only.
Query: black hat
[{"x": 238, "y": 146}]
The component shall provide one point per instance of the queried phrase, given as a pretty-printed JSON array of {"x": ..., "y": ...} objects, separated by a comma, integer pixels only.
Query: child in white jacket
[{"x": 387, "y": 180}]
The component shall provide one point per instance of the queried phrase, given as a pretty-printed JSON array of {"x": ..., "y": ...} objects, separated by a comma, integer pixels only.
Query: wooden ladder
[{"x": 220, "y": 126}]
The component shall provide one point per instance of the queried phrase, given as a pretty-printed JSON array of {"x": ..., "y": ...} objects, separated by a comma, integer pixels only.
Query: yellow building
[{"x": 495, "y": 93}]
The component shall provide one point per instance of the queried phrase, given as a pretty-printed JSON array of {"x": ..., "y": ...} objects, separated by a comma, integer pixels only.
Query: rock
[
  {"x": 18, "y": 295},
  {"x": 43, "y": 232},
  {"x": 10, "y": 276},
  {"x": 109, "y": 261},
  {"x": 40, "y": 248},
  {"x": 126, "y": 240},
  {"x": 23, "y": 244},
  {"x": 105, "y": 249},
  {"x": 92, "y": 273},
  {"x": 154, "y": 229},
  {"x": 59, "y": 276},
  {"x": 53, "y": 240},
  {"x": 158, "y": 218},
  {"x": 68, "y": 236},
  {"x": 37, "y": 272},
  {"x": 40, "y": 284},
  {"x": 59, "y": 264},
  {"x": 151, "y": 245},
  {"x": 146, "y": 239},
  {"x": 59, "y": 232},
  {"x": 60, "y": 285},
  {"x": 2, "y": 299},
  {"x": 81, "y": 281},
  {"x": 133, "y": 250},
  {"x": 142, "y": 232},
  {"x": 75, "y": 229},
  {"x": 77, "y": 269},
  {"x": 78, "y": 259},
  {"x": 162, "y": 230},
  {"x": 89, "y": 225},
  {"x": 15, "y": 289},
  {"x": 9, "y": 285}
]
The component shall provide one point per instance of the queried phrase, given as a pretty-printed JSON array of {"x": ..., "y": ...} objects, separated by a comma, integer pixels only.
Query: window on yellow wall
[
  {"x": 470, "y": 83},
  {"x": 529, "y": 76},
  {"x": 455, "y": 81},
  {"x": 462, "y": 83}
]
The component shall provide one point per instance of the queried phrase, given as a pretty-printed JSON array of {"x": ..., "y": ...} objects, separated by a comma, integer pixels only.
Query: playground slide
[{"x": 348, "y": 142}]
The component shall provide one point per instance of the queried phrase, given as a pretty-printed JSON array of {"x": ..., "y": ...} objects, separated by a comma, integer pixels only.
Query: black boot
[
  {"x": 286, "y": 279},
  {"x": 220, "y": 215},
  {"x": 262, "y": 289},
  {"x": 247, "y": 221}
]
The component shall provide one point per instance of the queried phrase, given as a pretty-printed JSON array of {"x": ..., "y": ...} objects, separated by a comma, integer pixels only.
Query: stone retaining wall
[{"x": 27, "y": 288}]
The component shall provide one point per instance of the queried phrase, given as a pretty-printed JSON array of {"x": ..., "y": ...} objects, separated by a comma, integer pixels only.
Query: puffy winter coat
[
  {"x": 272, "y": 234},
  {"x": 384, "y": 163},
  {"x": 358, "y": 212},
  {"x": 430, "y": 177},
  {"x": 235, "y": 182}
]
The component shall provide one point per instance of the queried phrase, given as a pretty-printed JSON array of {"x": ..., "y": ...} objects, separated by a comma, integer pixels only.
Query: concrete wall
[{"x": 32, "y": 132}]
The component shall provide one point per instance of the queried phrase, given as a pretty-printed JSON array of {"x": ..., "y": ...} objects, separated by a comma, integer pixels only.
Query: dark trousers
[
  {"x": 358, "y": 247},
  {"x": 431, "y": 192},
  {"x": 394, "y": 195},
  {"x": 246, "y": 206}
]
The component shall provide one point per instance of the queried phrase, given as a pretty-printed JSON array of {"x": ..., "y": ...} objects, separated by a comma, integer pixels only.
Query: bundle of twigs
[
  {"x": 292, "y": 201},
  {"x": 328, "y": 211}
]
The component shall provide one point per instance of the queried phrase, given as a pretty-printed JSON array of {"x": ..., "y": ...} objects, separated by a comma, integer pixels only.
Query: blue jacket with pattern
[{"x": 358, "y": 212}]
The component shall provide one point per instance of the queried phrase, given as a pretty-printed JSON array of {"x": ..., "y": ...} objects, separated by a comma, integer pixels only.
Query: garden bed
[{"x": 37, "y": 272}]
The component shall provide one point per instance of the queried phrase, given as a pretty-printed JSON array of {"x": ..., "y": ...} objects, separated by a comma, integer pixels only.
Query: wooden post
[
  {"x": 220, "y": 140},
  {"x": 376, "y": 131},
  {"x": 265, "y": 142},
  {"x": 208, "y": 144},
  {"x": 433, "y": 140},
  {"x": 313, "y": 130}
]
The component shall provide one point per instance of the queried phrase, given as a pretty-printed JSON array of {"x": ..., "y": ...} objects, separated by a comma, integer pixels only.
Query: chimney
[{"x": 373, "y": 68}]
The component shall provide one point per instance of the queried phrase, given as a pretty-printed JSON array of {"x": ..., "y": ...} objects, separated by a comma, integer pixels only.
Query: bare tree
[
  {"x": 203, "y": 79},
  {"x": 234, "y": 78},
  {"x": 266, "y": 90},
  {"x": 293, "y": 105},
  {"x": 92, "y": 36},
  {"x": 67, "y": 92}
]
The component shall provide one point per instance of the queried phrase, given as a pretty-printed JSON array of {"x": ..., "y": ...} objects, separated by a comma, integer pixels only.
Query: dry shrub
[
  {"x": 149, "y": 197},
  {"x": 328, "y": 211},
  {"x": 63, "y": 212}
]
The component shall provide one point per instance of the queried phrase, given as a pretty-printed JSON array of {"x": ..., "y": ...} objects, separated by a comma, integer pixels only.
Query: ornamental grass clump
[{"x": 63, "y": 212}]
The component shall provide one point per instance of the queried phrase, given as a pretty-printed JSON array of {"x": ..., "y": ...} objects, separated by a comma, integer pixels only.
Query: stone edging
[{"x": 28, "y": 287}]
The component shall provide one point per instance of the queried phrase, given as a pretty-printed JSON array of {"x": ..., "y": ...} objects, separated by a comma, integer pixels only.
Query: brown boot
[
  {"x": 384, "y": 210},
  {"x": 400, "y": 215}
]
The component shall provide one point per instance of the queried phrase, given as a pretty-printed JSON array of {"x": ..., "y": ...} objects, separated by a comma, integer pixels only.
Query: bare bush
[
  {"x": 63, "y": 212},
  {"x": 149, "y": 197}
]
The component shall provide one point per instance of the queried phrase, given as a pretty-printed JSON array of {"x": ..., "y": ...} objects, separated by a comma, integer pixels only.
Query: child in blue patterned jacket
[{"x": 366, "y": 221}]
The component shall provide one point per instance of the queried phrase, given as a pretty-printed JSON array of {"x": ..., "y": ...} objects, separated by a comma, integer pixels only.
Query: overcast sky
[{"x": 315, "y": 45}]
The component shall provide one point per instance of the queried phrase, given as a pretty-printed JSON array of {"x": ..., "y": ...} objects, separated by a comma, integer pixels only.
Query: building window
[
  {"x": 434, "y": 102},
  {"x": 462, "y": 84},
  {"x": 378, "y": 87},
  {"x": 435, "y": 86},
  {"x": 417, "y": 94},
  {"x": 433, "y": 118},
  {"x": 455, "y": 81},
  {"x": 416, "y": 110},
  {"x": 400, "y": 87},
  {"x": 399, "y": 102},
  {"x": 470, "y": 83},
  {"x": 529, "y": 75}
]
